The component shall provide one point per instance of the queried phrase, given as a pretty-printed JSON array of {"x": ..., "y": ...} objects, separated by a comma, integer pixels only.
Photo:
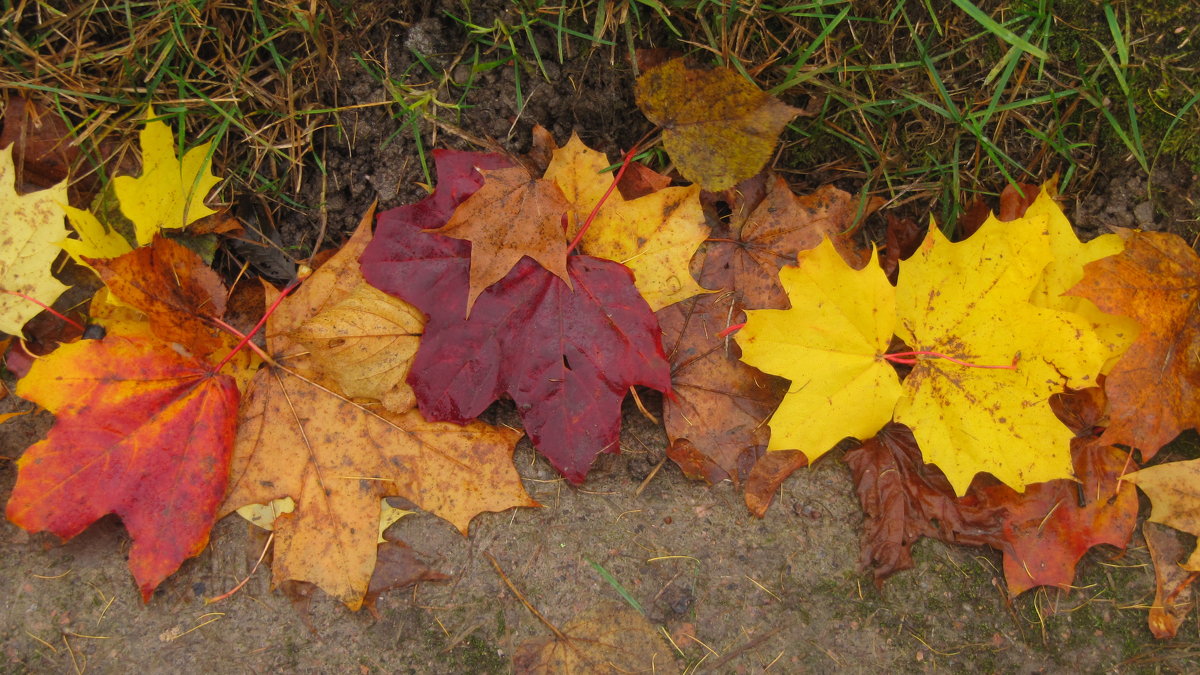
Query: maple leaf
[
  {"x": 358, "y": 336},
  {"x": 1151, "y": 390},
  {"x": 718, "y": 128},
  {"x": 336, "y": 459},
  {"x": 969, "y": 419},
  {"x": 170, "y": 191},
  {"x": 173, "y": 287},
  {"x": 1174, "y": 490},
  {"x": 830, "y": 344},
  {"x": 600, "y": 640},
  {"x": 141, "y": 431},
  {"x": 904, "y": 499},
  {"x": 1173, "y": 589},
  {"x": 767, "y": 475},
  {"x": 96, "y": 240},
  {"x": 31, "y": 226},
  {"x": 566, "y": 355},
  {"x": 1049, "y": 527},
  {"x": 768, "y": 231},
  {"x": 720, "y": 403},
  {"x": 654, "y": 235},
  {"x": 511, "y": 216}
]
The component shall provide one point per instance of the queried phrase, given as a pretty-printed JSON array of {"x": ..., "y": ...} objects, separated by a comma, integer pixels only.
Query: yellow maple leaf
[
  {"x": 1116, "y": 333},
  {"x": 654, "y": 236},
  {"x": 170, "y": 193},
  {"x": 1174, "y": 491},
  {"x": 577, "y": 170},
  {"x": 970, "y": 301},
  {"x": 96, "y": 240},
  {"x": 31, "y": 226},
  {"x": 830, "y": 343}
]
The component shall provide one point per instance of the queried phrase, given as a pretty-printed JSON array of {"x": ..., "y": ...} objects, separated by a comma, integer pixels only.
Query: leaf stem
[
  {"x": 625, "y": 161},
  {"x": 907, "y": 358},
  {"x": 261, "y": 322},
  {"x": 731, "y": 329},
  {"x": 46, "y": 307}
]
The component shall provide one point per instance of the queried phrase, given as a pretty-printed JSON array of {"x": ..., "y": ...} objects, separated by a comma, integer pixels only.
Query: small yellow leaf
[
  {"x": 655, "y": 236},
  {"x": 830, "y": 344},
  {"x": 170, "y": 193},
  {"x": 576, "y": 169},
  {"x": 31, "y": 226},
  {"x": 95, "y": 239},
  {"x": 264, "y": 515},
  {"x": 970, "y": 301}
]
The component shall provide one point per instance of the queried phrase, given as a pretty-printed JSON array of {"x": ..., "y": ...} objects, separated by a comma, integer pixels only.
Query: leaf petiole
[
  {"x": 908, "y": 359},
  {"x": 46, "y": 307},
  {"x": 261, "y": 322}
]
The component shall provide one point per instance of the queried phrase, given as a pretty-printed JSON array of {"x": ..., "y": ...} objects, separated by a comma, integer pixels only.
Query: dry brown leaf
[
  {"x": 603, "y": 640},
  {"x": 1173, "y": 589}
]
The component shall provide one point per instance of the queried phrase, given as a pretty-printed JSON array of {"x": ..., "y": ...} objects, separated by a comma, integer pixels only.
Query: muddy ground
[{"x": 735, "y": 593}]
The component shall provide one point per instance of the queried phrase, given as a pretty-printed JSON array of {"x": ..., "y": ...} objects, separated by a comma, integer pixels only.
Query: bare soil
[{"x": 735, "y": 593}]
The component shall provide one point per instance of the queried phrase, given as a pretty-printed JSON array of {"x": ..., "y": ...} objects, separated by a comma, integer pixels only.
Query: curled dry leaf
[
  {"x": 1174, "y": 589},
  {"x": 1174, "y": 492},
  {"x": 718, "y": 128},
  {"x": 904, "y": 499}
]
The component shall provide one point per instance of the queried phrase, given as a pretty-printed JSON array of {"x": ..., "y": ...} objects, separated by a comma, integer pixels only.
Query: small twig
[
  {"x": 520, "y": 596},
  {"x": 254, "y": 569},
  {"x": 743, "y": 649}
]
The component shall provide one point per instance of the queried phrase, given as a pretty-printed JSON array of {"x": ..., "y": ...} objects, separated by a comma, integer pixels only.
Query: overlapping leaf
[
  {"x": 143, "y": 432},
  {"x": 1153, "y": 390},
  {"x": 31, "y": 226},
  {"x": 566, "y": 355}
]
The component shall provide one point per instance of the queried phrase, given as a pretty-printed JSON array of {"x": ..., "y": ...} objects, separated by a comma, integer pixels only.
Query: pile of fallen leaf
[{"x": 1006, "y": 386}]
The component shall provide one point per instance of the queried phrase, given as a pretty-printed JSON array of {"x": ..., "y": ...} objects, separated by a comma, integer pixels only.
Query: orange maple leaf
[
  {"x": 143, "y": 432},
  {"x": 513, "y": 215}
]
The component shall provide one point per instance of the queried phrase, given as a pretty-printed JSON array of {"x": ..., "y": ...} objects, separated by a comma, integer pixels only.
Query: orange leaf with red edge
[
  {"x": 143, "y": 432},
  {"x": 1154, "y": 389}
]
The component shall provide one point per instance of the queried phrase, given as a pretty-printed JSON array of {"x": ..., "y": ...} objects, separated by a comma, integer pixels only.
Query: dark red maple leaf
[{"x": 566, "y": 357}]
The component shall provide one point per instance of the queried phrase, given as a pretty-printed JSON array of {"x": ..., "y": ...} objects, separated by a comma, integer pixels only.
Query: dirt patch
[{"x": 734, "y": 593}]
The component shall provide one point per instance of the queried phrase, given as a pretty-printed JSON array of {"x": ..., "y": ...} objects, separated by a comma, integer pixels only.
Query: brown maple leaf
[
  {"x": 513, "y": 215},
  {"x": 1154, "y": 389}
]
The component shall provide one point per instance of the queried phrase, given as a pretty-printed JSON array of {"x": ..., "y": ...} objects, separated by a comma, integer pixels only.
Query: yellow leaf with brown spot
[
  {"x": 31, "y": 226},
  {"x": 170, "y": 192},
  {"x": 718, "y": 128},
  {"x": 970, "y": 301},
  {"x": 655, "y": 236}
]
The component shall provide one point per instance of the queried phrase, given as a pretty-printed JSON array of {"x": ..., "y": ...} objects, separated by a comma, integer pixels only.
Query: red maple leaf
[
  {"x": 566, "y": 357},
  {"x": 143, "y": 432}
]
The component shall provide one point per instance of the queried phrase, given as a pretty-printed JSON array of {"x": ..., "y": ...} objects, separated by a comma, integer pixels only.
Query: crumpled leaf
[
  {"x": 1049, "y": 527},
  {"x": 602, "y": 640},
  {"x": 830, "y": 344},
  {"x": 143, "y": 432},
  {"x": 717, "y": 127},
  {"x": 904, "y": 499},
  {"x": 1152, "y": 390},
  {"x": 1174, "y": 492},
  {"x": 31, "y": 226},
  {"x": 567, "y": 377},
  {"x": 170, "y": 192},
  {"x": 511, "y": 216},
  {"x": 359, "y": 337},
  {"x": 969, "y": 420},
  {"x": 1174, "y": 591},
  {"x": 717, "y": 420}
]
